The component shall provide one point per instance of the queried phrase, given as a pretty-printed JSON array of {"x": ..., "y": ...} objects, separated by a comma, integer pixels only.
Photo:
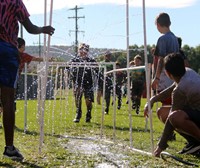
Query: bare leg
[
  {"x": 7, "y": 98},
  {"x": 99, "y": 94},
  {"x": 163, "y": 113},
  {"x": 182, "y": 123}
]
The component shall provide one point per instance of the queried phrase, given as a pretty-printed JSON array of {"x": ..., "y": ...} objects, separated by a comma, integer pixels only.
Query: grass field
[{"x": 74, "y": 145}]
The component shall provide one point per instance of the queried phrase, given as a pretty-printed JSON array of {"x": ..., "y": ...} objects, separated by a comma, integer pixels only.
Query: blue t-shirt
[{"x": 167, "y": 44}]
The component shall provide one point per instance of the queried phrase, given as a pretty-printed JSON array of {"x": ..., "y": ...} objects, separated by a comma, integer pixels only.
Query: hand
[
  {"x": 154, "y": 84},
  {"x": 51, "y": 59},
  {"x": 48, "y": 30},
  {"x": 157, "y": 151},
  {"x": 146, "y": 111}
]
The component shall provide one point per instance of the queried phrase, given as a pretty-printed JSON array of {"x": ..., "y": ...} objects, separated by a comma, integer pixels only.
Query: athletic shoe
[
  {"x": 76, "y": 120},
  {"x": 190, "y": 148},
  {"x": 118, "y": 107},
  {"x": 106, "y": 110},
  {"x": 13, "y": 154},
  {"x": 78, "y": 116},
  {"x": 87, "y": 120},
  {"x": 137, "y": 110}
]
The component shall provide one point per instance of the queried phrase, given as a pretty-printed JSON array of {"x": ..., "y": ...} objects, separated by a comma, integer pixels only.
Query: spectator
[
  {"x": 108, "y": 81},
  {"x": 16, "y": 11},
  {"x": 137, "y": 83},
  {"x": 120, "y": 80},
  {"x": 166, "y": 44}
]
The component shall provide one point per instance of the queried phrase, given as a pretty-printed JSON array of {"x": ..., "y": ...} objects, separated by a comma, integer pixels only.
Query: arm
[
  {"x": 179, "y": 101},
  {"x": 40, "y": 59},
  {"x": 158, "y": 72},
  {"x": 33, "y": 29},
  {"x": 159, "y": 97},
  {"x": 162, "y": 144}
]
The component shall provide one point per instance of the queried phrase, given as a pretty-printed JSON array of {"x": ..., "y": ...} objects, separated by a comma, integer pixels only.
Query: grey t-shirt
[{"x": 185, "y": 95}]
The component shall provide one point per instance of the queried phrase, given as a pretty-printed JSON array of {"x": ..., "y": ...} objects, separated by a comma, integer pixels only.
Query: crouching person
[{"x": 184, "y": 115}]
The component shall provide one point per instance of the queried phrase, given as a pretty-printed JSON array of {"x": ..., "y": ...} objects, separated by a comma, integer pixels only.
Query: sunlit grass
[{"x": 58, "y": 122}]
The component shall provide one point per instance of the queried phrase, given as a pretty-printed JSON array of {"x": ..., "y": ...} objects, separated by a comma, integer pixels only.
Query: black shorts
[
  {"x": 87, "y": 91},
  {"x": 194, "y": 115}
]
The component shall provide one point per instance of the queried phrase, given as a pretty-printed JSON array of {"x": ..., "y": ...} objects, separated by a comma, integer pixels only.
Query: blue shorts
[{"x": 9, "y": 65}]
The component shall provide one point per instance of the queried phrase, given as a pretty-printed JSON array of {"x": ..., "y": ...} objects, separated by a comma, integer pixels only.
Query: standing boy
[
  {"x": 137, "y": 83},
  {"x": 166, "y": 44},
  {"x": 83, "y": 80},
  {"x": 11, "y": 13}
]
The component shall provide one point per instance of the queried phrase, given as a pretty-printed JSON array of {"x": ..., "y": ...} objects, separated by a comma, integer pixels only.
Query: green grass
[{"x": 58, "y": 123}]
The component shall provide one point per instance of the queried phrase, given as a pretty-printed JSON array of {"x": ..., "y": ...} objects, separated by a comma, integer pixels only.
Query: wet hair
[
  {"x": 163, "y": 20},
  {"x": 174, "y": 64},
  {"x": 20, "y": 42},
  {"x": 138, "y": 57},
  {"x": 84, "y": 47},
  {"x": 131, "y": 63},
  {"x": 117, "y": 63},
  {"x": 107, "y": 53}
]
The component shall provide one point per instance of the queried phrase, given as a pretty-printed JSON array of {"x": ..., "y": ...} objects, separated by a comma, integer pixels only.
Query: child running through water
[{"x": 137, "y": 83}]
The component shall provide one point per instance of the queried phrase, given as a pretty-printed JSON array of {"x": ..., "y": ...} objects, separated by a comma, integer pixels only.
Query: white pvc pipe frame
[
  {"x": 146, "y": 67},
  {"x": 42, "y": 79},
  {"x": 93, "y": 65}
]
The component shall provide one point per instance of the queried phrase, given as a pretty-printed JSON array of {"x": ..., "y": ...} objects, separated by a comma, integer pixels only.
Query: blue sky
[{"x": 104, "y": 24}]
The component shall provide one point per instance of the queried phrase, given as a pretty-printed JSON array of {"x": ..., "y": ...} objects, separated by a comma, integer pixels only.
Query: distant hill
[{"x": 64, "y": 53}]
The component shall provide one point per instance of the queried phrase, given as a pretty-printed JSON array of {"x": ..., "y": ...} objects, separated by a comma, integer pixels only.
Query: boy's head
[
  {"x": 83, "y": 49},
  {"x": 163, "y": 20},
  {"x": 138, "y": 60},
  {"x": 118, "y": 65},
  {"x": 174, "y": 65},
  {"x": 107, "y": 56},
  {"x": 21, "y": 44}
]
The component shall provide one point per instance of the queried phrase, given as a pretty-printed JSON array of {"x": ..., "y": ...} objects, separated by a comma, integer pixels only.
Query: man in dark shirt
[{"x": 82, "y": 77}]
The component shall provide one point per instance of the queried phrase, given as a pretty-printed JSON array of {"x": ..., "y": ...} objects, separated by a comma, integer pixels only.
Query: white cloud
[{"x": 37, "y": 6}]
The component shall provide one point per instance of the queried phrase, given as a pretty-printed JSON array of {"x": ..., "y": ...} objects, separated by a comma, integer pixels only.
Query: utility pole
[{"x": 76, "y": 17}]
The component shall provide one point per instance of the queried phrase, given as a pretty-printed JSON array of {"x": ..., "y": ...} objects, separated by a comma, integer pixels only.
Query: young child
[
  {"x": 120, "y": 80},
  {"x": 167, "y": 43},
  {"x": 137, "y": 83}
]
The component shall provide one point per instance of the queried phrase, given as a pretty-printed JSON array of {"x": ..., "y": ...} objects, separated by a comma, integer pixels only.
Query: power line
[{"x": 76, "y": 17}]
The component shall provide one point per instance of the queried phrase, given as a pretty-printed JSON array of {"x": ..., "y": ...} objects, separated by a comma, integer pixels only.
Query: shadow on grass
[
  {"x": 6, "y": 165},
  {"x": 138, "y": 129},
  {"x": 28, "y": 164}
]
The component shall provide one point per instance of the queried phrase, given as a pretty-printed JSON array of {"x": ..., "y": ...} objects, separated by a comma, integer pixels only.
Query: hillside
[{"x": 64, "y": 53}]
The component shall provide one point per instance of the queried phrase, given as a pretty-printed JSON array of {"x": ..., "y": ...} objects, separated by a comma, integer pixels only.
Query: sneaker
[
  {"x": 13, "y": 154},
  {"x": 190, "y": 148},
  {"x": 76, "y": 120},
  {"x": 78, "y": 116},
  {"x": 106, "y": 111},
  {"x": 137, "y": 110},
  {"x": 87, "y": 120},
  {"x": 118, "y": 107}
]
